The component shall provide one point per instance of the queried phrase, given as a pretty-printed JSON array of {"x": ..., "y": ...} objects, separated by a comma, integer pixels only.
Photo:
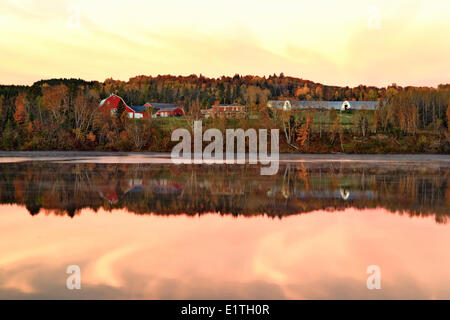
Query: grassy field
[{"x": 322, "y": 121}]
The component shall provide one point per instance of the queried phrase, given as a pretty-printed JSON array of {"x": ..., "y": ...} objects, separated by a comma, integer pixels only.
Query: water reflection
[
  {"x": 314, "y": 256},
  {"x": 164, "y": 189},
  {"x": 133, "y": 234}
]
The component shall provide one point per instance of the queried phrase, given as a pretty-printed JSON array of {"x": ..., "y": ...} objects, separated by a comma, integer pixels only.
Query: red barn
[
  {"x": 163, "y": 110},
  {"x": 156, "y": 110},
  {"x": 110, "y": 105}
]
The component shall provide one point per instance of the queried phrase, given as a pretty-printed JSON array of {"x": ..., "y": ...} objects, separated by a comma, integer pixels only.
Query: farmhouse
[
  {"x": 287, "y": 105},
  {"x": 206, "y": 113},
  {"x": 155, "y": 110},
  {"x": 225, "y": 111}
]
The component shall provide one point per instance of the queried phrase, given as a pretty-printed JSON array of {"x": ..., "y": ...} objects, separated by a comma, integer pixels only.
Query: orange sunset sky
[{"x": 332, "y": 42}]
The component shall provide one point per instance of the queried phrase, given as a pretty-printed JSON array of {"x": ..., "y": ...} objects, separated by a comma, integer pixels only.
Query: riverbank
[{"x": 164, "y": 157}]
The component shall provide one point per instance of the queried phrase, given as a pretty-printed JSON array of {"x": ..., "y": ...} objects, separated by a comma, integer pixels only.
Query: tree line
[{"x": 61, "y": 114}]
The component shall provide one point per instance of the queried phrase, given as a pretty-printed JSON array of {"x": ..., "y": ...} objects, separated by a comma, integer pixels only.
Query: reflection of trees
[{"x": 239, "y": 190}]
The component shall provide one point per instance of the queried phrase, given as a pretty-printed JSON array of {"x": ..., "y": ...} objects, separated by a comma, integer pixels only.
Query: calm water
[{"x": 140, "y": 227}]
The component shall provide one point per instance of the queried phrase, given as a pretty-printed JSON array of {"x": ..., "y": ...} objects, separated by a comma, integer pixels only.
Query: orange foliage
[
  {"x": 448, "y": 118},
  {"x": 54, "y": 97},
  {"x": 20, "y": 114},
  {"x": 303, "y": 131},
  {"x": 91, "y": 137}
]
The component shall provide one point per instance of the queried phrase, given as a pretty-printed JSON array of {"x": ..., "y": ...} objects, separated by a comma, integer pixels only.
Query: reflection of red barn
[
  {"x": 109, "y": 195},
  {"x": 163, "y": 186}
]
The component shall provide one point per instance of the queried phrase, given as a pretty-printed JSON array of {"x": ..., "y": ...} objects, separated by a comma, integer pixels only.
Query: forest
[{"x": 62, "y": 114}]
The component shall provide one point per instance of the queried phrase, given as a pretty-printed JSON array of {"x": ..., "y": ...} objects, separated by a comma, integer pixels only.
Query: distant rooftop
[
  {"x": 159, "y": 105},
  {"x": 229, "y": 105},
  {"x": 138, "y": 108},
  {"x": 295, "y": 104}
]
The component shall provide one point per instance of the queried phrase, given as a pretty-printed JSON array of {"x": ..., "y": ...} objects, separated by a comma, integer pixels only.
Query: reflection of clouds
[
  {"x": 30, "y": 253},
  {"x": 322, "y": 255},
  {"x": 268, "y": 268},
  {"x": 329, "y": 287},
  {"x": 19, "y": 280},
  {"x": 138, "y": 286},
  {"x": 300, "y": 253},
  {"x": 103, "y": 268},
  {"x": 48, "y": 282}
]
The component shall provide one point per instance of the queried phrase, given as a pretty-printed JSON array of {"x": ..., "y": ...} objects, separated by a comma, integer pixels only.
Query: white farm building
[{"x": 288, "y": 105}]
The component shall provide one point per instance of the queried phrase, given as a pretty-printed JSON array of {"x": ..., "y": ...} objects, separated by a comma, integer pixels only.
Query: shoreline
[{"x": 164, "y": 157}]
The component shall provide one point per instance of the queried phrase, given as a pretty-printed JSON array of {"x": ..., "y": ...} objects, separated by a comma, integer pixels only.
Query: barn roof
[
  {"x": 159, "y": 105},
  {"x": 229, "y": 105},
  {"x": 113, "y": 101},
  {"x": 295, "y": 104},
  {"x": 368, "y": 105},
  {"x": 102, "y": 102},
  {"x": 138, "y": 108},
  {"x": 168, "y": 108}
]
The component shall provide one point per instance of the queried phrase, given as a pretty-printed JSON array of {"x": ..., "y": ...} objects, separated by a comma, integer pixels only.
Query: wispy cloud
[{"x": 328, "y": 43}]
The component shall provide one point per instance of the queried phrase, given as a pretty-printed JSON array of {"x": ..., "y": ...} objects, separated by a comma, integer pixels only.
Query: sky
[{"x": 347, "y": 42}]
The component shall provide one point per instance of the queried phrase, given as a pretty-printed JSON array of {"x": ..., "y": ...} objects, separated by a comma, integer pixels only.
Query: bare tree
[
  {"x": 288, "y": 125},
  {"x": 85, "y": 107},
  {"x": 136, "y": 132},
  {"x": 193, "y": 113}
]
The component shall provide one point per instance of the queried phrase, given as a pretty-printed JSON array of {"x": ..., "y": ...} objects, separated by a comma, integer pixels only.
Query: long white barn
[{"x": 337, "y": 105}]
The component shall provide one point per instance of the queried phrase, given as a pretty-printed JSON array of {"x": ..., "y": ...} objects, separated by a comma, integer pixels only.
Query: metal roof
[
  {"x": 138, "y": 108},
  {"x": 159, "y": 105},
  {"x": 229, "y": 105},
  {"x": 168, "y": 108},
  {"x": 357, "y": 105}
]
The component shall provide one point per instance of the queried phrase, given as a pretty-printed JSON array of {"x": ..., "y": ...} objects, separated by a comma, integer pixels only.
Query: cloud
[
  {"x": 404, "y": 51},
  {"x": 331, "y": 45}
]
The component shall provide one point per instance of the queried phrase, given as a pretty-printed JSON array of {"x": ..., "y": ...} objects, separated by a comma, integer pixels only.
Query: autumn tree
[
  {"x": 302, "y": 92},
  {"x": 304, "y": 132},
  {"x": 56, "y": 101},
  {"x": 337, "y": 132},
  {"x": 85, "y": 107},
  {"x": 20, "y": 114},
  {"x": 448, "y": 118},
  {"x": 361, "y": 122}
]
